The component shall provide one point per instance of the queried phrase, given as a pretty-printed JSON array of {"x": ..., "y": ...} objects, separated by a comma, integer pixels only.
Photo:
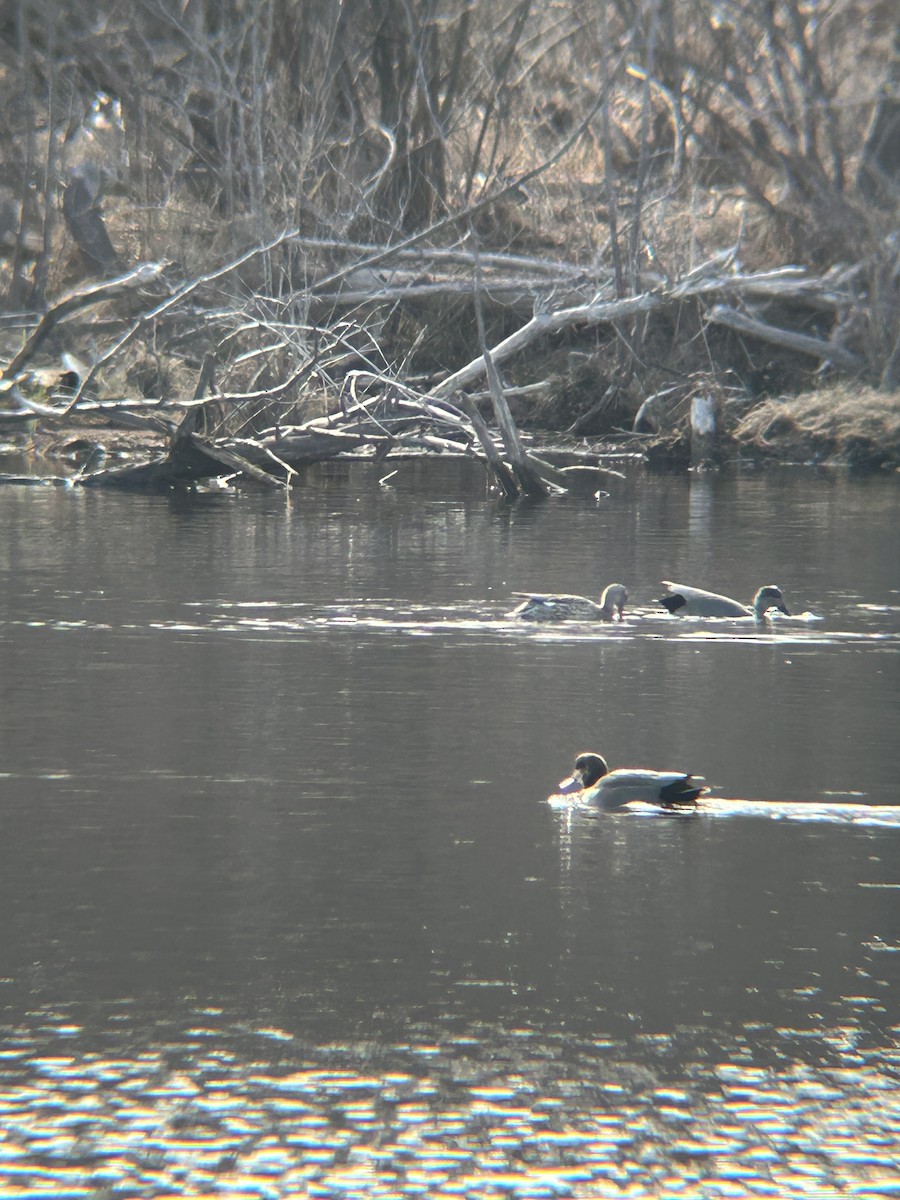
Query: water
[{"x": 286, "y": 911}]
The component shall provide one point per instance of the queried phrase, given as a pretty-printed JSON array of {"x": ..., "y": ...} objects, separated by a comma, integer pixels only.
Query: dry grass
[{"x": 855, "y": 425}]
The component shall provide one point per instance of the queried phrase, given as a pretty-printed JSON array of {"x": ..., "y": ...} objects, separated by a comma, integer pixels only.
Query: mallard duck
[
  {"x": 593, "y": 783},
  {"x": 539, "y": 607},
  {"x": 694, "y": 602}
]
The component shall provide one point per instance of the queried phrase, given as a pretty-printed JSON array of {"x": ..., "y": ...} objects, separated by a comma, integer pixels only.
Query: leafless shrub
[{"x": 694, "y": 125}]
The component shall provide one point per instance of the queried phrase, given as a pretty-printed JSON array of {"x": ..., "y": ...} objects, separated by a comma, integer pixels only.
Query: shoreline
[{"x": 857, "y": 430}]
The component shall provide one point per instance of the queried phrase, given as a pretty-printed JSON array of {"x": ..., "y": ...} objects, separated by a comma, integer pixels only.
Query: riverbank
[
  {"x": 857, "y": 427},
  {"x": 842, "y": 426}
]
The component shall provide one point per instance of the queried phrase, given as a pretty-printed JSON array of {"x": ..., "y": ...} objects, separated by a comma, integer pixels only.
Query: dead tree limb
[
  {"x": 171, "y": 302},
  {"x": 83, "y": 297},
  {"x": 789, "y": 281},
  {"x": 527, "y": 476},
  {"x": 500, "y": 470},
  {"x": 424, "y": 257},
  {"x": 542, "y": 324},
  {"x": 238, "y": 463},
  {"x": 816, "y": 347}
]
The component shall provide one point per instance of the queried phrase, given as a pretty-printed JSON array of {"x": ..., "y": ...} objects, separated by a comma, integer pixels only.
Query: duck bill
[
  {"x": 570, "y": 784},
  {"x": 783, "y": 608}
]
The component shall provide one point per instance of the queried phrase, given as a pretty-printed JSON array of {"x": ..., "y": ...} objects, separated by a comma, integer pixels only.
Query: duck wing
[
  {"x": 554, "y": 606},
  {"x": 696, "y": 602},
  {"x": 551, "y": 597},
  {"x": 665, "y": 788}
]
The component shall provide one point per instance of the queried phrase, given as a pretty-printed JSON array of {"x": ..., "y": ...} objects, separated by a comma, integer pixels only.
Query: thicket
[{"x": 383, "y": 187}]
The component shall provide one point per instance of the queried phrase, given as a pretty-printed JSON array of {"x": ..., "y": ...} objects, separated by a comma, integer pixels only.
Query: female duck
[
  {"x": 538, "y": 607},
  {"x": 592, "y": 782},
  {"x": 686, "y": 601}
]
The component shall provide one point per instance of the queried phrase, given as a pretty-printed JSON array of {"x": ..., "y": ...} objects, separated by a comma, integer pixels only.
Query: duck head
[
  {"x": 769, "y": 596},
  {"x": 589, "y": 769},
  {"x": 613, "y": 600}
]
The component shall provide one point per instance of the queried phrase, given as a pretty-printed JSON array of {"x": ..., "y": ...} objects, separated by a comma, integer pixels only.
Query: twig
[
  {"x": 171, "y": 302},
  {"x": 83, "y": 297}
]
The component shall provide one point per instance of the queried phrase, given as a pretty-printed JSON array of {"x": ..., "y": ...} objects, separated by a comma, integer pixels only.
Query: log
[
  {"x": 542, "y": 324},
  {"x": 159, "y": 475},
  {"x": 316, "y": 445},
  {"x": 816, "y": 347}
]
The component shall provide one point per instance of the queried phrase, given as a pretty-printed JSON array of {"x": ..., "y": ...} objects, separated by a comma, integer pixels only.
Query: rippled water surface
[{"x": 286, "y": 911}]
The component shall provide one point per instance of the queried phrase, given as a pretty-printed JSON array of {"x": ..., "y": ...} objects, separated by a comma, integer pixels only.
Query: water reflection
[{"x": 285, "y": 908}]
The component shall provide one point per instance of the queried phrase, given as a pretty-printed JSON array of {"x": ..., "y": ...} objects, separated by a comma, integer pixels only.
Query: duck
[
  {"x": 592, "y": 782},
  {"x": 538, "y": 606},
  {"x": 684, "y": 601}
]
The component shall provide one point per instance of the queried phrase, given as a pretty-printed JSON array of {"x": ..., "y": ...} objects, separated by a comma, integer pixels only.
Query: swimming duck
[
  {"x": 539, "y": 607},
  {"x": 694, "y": 602},
  {"x": 594, "y": 783}
]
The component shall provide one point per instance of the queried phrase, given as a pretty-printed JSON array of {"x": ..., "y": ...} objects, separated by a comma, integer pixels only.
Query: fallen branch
[
  {"x": 542, "y": 324},
  {"x": 176, "y": 298},
  {"x": 816, "y": 347},
  {"x": 501, "y": 471},
  {"x": 84, "y": 297},
  {"x": 787, "y": 282},
  {"x": 508, "y": 291},
  {"x": 425, "y": 256},
  {"x": 530, "y": 480},
  {"x": 237, "y": 462}
]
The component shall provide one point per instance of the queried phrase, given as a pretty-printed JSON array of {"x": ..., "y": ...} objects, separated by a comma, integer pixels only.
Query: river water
[{"x": 286, "y": 911}]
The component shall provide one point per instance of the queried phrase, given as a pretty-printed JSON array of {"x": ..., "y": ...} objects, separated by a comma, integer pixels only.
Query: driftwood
[
  {"x": 377, "y": 415},
  {"x": 402, "y": 426},
  {"x": 275, "y": 456},
  {"x": 190, "y": 460}
]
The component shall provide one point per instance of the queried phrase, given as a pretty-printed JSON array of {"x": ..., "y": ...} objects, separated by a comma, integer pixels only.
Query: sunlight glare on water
[{"x": 285, "y": 908}]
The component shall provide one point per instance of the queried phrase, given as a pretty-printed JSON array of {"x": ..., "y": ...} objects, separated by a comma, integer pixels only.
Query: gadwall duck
[
  {"x": 592, "y": 782},
  {"x": 539, "y": 607},
  {"x": 686, "y": 601}
]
